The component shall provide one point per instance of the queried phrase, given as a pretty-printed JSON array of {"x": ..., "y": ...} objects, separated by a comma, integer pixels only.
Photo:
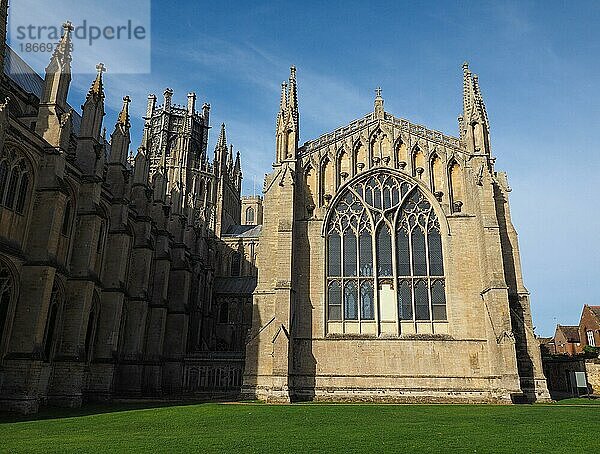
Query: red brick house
[
  {"x": 589, "y": 326},
  {"x": 567, "y": 340}
]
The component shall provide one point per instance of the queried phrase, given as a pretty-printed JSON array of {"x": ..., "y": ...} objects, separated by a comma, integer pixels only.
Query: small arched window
[
  {"x": 236, "y": 264},
  {"x": 384, "y": 221},
  {"x": 250, "y": 215}
]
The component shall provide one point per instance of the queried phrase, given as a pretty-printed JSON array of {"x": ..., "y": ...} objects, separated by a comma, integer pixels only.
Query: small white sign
[{"x": 580, "y": 380}]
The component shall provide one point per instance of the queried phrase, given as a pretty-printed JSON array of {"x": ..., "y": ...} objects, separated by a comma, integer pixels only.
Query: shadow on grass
[{"x": 119, "y": 405}]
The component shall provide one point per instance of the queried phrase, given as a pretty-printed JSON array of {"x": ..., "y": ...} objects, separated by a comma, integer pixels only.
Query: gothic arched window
[
  {"x": 236, "y": 264},
  {"x": 250, "y": 215},
  {"x": 384, "y": 250},
  {"x": 14, "y": 180}
]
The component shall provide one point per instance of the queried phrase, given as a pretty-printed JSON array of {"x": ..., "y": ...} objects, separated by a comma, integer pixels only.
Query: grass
[{"x": 251, "y": 428}]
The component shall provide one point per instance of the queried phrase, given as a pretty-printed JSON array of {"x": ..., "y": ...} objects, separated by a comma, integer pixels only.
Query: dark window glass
[
  {"x": 367, "y": 311},
  {"x": 350, "y": 301},
  {"x": 402, "y": 253},
  {"x": 421, "y": 300},
  {"x": 369, "y": 196},
  {"x": 395, "y": 196},
  {"x": 366, "y": 254},
  {"x": 334, "y": 266},
  {"x": 384, "y": 252},
  {"x": 236, "y": 264},
  {"x": 224, "y": 313},
  {"x": 335, "y": 301},
  {"x": 418, "y": 250},
  {"x": 436, "y": 264},
  {"x": 377, "y": 197},
  {"x": 349, "y": 254},
  {"x": 66, "y": 225},
  {"x": 387, "y": 198},
  {"x": 11, "y": 192},
  {"x": 22, "y": 194},
  {"x": 405, "y": 300}
]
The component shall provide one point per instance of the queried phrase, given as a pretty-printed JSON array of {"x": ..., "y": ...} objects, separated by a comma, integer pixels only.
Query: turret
[
  {"x": 168, "y": 96},
  {"x": 288, "y": 120},
  {"x": 191, "y": 104}
]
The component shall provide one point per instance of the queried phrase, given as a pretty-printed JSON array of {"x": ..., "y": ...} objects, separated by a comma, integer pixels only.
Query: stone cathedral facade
[
  {"x": 380, "y": 263},
  {"x": 389, "y": 266},
  {"x": 116, "y": 275}
]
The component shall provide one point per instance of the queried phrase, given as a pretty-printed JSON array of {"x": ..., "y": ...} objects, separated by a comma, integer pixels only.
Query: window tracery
[
  {"x": 383, "y": 231},
  {"x": 15, "y": 180}
]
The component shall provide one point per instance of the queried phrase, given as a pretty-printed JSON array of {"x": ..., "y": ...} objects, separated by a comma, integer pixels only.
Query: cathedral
[
  {"x": 380, "y": 263},
  {"x": 389, "y": 267}
]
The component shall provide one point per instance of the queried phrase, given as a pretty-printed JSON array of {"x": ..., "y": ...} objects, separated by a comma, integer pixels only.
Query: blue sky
[{"x": 538, "y": 67}]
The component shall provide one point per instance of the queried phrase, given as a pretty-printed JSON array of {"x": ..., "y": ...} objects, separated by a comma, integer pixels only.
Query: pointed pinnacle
[
  {"x": 222, "y": 142},
  {"x": 62, "y": 52},
  {"x": 123, "y": 118},
  {"x": 284, "y": 97},
  {"x": 97, "y": 88}
]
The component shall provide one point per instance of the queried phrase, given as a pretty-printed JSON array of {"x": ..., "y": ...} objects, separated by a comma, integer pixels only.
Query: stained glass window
[{"x": 388, "y": 221}]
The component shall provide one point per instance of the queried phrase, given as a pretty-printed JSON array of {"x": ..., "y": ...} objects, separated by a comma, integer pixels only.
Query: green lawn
[{"x": 245, "y": 428}]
